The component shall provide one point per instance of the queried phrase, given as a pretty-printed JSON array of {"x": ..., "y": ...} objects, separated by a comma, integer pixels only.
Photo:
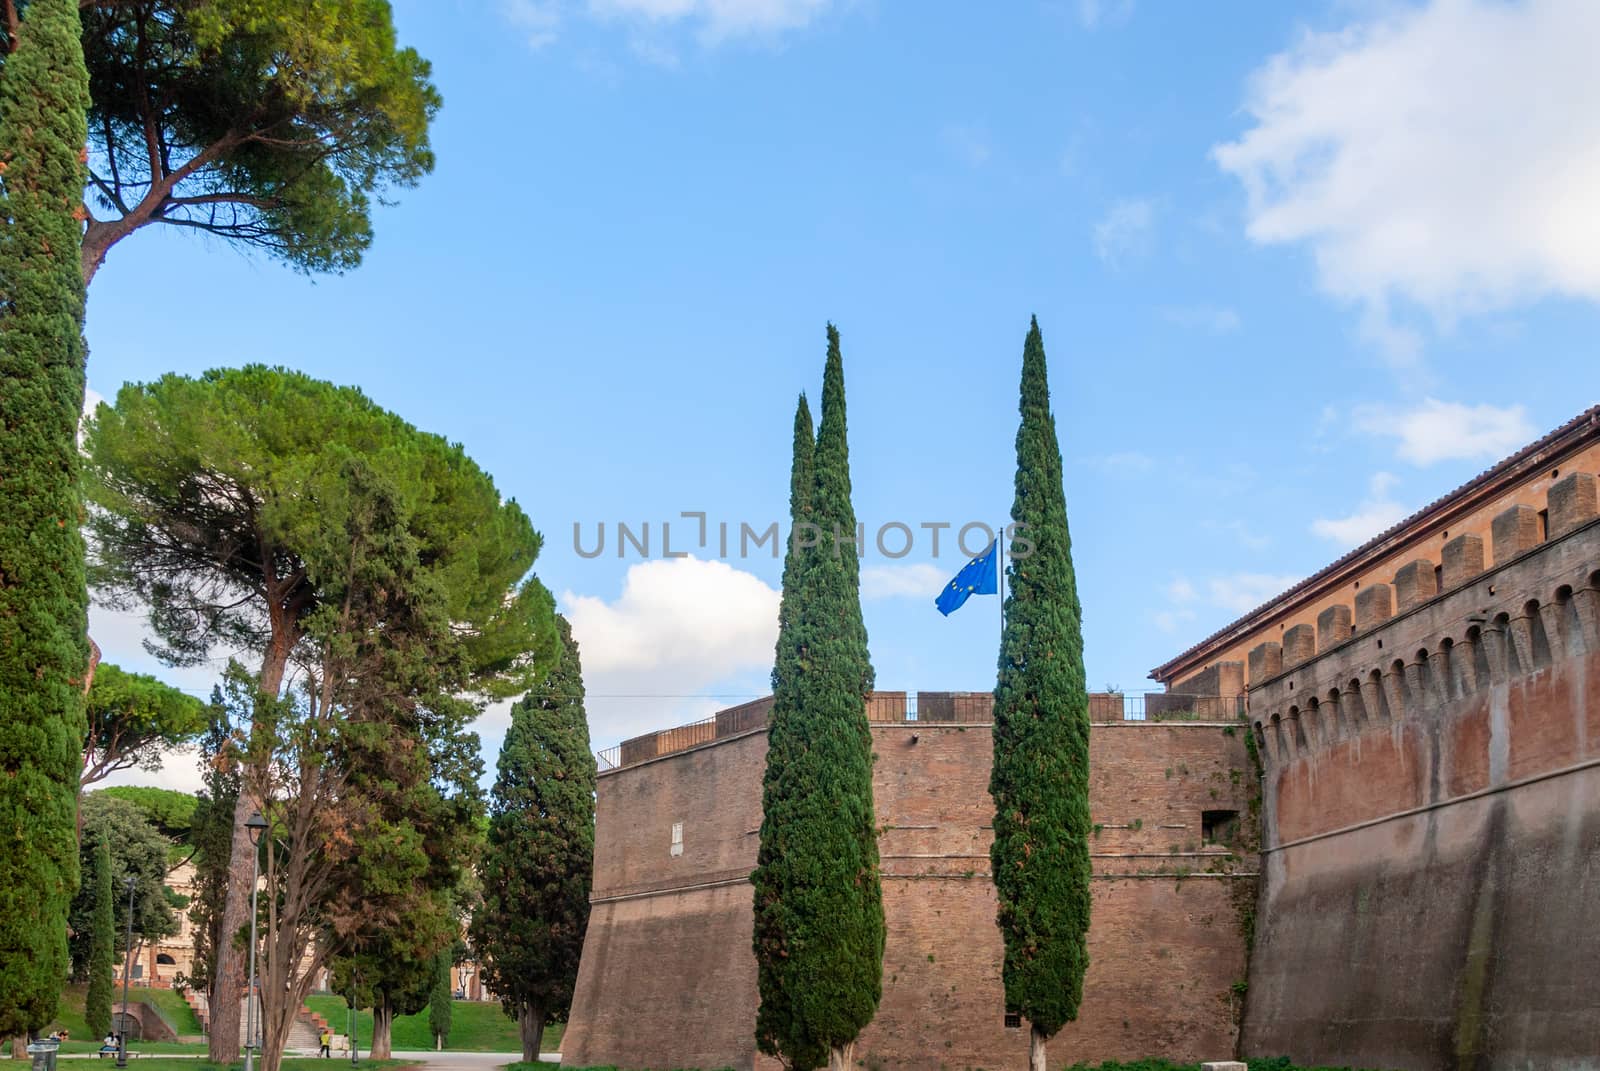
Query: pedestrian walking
[{"x": 325, "y": 1040}]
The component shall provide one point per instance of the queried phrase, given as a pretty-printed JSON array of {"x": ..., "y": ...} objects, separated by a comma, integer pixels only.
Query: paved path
[{"x": 467, "y": 1061}]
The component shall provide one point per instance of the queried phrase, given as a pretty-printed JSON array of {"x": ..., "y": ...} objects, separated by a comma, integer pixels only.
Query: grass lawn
[
  {"x": 542, "y": 1066},
  {"x": 474, "y": 1027},
  {"x": 69, "y": 1016},
  {"x": 294, "y": 1063}
]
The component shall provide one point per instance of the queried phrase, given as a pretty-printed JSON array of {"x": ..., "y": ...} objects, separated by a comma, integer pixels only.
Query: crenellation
[
  {"x": 1374, "y": 606},
  {"x": 1461, "y": 560},
  {"x": 1572, "y": 503},
  {"x": 1266, "y": 660},
  {"x": 1333, "y": 626},
  {"x": 1415, "y": 584},
  {"x": 1441, "y": 648},
  {"x": 1299, "y": 645},
  {"x": 1514, "y": 531}
]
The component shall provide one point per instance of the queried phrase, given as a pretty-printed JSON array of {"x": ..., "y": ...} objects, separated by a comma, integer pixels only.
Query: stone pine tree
[
  {"x": 44, "y": 647},
  {"x": 1040, "y": 778},
  {"x": 539, "y": 861},
  {"x": 103, "y": 936},
  {"x": 819, "y": 929}
]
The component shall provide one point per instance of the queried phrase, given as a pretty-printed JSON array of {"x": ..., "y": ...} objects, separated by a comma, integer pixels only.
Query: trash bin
[{"x": 43, "y": 1053}]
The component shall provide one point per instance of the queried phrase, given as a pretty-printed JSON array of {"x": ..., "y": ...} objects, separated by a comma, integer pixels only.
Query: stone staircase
[{"x": 303, "y": 1031}]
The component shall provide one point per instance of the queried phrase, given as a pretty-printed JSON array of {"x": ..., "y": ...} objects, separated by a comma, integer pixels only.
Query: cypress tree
[
  {"x": 103, "y": 938},
  {"x": 539, "y": 861},
  {"x": 1040, "y": 778},
  {"x": 44, "y": 649},
  {"x": 440, "y": 1006},
  {"x": 819, "y": 929}
]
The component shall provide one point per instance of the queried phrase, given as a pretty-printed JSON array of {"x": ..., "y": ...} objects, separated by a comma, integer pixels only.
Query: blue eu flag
[{"x": 977, "y": 577}]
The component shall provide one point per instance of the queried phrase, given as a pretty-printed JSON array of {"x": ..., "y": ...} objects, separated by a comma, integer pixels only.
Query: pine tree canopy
[
  {"x": 44, "y": 647},
  {"x": 265, "y": 124},
  {"x": 539, "y": 861},
  {"x": 228, "y": 505},
  {"x": 133, "y": 718},
  {"x": 1040, "y": 778},
  {"x": 819, "y": 927}
]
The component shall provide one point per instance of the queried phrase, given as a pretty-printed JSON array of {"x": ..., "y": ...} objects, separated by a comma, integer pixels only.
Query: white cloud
[
  {"x": 716, "y": 20},
  {"x": 1124, "y": 233},
  {"x": 1219, "y": 320},
  {"x": 1092, "y": 14},
  {"x": 540, "y": 20},
  {"x": 1446, "y": 156},
  {"x": 1240, "y": 592},
  {"x": 1446, "y": 431},
  {"x": 1377, "y": 512},
  {"x": 907, "y": 580},
  {"x": 680, "y": 626},
  {"x": 1169, "y": 620},
  {"x": 1180, "y": 590},
  {"x": 969, "y": 144}
]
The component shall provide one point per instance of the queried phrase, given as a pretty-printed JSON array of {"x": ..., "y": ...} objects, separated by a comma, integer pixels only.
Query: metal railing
[{"x": 932, "y": 708}]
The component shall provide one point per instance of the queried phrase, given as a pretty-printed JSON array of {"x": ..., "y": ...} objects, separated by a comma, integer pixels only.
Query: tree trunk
[
  {"x": 227, "y": 988},
  {"x": 1036, "y": 1040},
  {"x": 19, "y": 1047},
  {"x": 532, "y": 1023},
  {"x": 842, "y": 1057},
  {"x": 382, "y": 1022},
  {"x": 438, "y": 1043}
]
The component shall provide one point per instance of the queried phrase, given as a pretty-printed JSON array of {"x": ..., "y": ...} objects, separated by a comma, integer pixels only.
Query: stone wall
[
  {"x": 1431, "y": 880},
  {"x": 668, "y": 978}
]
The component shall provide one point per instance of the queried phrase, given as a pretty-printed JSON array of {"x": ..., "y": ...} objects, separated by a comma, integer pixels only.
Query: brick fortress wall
[
  {"x": 1431, "y": 875},
  {"x": 668, "y": 978}
]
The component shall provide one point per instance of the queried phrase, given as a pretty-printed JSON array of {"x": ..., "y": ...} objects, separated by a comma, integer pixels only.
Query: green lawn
[
  {"x": 69, "y": 1016},
  {"x": 474, "y": 1027}
]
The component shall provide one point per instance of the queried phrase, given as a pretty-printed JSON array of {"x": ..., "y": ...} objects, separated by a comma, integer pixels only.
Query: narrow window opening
[
  {"x": 677, "y": 838},
  {"x": 1013, "y": 1020},
  {"x": 1219, "y": 827},
  {"x": 1544, "y": 525}
]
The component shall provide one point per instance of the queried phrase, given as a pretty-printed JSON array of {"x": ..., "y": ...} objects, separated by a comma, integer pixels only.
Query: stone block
[
  {"x": 1572, "y": 503},
  {"x": 1415, "y": 584},
  {"x": 1266, "y": 660},
  {"x": 1333, "y": 627},
  {"x": 1461, "y": 560},
  {"x": 1299, "y": 645},
  {"x": 1514, "y": 531},
  {"x": 1374, "y": 606}
]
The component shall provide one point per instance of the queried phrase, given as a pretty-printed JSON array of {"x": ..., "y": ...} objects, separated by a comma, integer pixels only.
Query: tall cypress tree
[
  {"x": 1040, "y": 778},
  {"x": 103, "y": 944},
  {"x": 44, "y": 648},
  {"x": 539, "y": 862},
  {"x": 819, "y": 929}
]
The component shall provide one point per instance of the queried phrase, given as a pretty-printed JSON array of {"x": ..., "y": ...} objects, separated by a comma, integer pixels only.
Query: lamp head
[{"x": 255, "y": 825}]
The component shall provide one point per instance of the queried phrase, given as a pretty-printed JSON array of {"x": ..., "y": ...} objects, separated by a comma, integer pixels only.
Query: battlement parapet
[
  {"x": 1539, "y": 604},
  {"x": 922, "y": 708}
]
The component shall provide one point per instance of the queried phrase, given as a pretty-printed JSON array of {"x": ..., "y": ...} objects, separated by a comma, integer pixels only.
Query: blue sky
[{"x": 1300, "y": 269}]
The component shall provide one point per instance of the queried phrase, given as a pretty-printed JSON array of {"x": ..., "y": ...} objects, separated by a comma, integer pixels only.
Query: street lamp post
[
  {"x": 355, "y": 1053},
  {"x": 255, "y": 825},
  {"x": 127, "y": 971}
]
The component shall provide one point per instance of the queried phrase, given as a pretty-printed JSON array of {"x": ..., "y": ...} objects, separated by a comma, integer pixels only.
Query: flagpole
[{"x": 1000, "y": 574}]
